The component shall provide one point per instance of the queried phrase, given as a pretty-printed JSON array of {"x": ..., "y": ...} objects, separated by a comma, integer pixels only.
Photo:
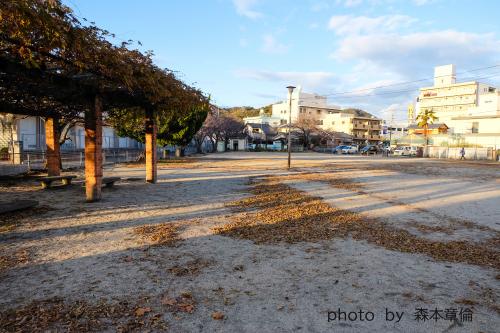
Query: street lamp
[{"x": 290, "y": 91}]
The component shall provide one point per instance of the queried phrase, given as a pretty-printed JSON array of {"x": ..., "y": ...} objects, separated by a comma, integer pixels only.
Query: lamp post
[{"x": 290, "y": 91}]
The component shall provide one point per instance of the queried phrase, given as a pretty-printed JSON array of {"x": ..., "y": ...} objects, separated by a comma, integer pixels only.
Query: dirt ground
[{"x": 234, "y": 242}]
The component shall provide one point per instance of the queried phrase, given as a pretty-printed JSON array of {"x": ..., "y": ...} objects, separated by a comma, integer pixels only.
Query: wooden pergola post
[
  {"x": 151, "y": 171},
  {"x": 52, "y": 142},
  {"x": 93, "y": 151}
]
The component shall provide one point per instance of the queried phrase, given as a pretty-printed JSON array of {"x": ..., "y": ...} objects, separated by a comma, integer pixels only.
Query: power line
[
  {"x": 399, "y": 91},
  {"x": 409, "y": 82}
]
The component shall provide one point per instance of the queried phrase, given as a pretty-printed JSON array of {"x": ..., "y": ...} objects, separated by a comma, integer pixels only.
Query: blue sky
[{"x": 245, "y": 52}]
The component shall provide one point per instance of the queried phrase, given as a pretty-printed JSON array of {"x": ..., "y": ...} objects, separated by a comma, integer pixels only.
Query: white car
[
  {"x": 405, "y": 151},
  {"x": 350, "y": 150}
]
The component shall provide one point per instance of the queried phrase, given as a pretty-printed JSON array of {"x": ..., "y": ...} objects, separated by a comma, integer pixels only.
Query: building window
[
  {"x": 319, "y": 122},
  {"x": 333, "y": 123},
  {"x": 318, "y": 111},
  {"x": 343, "y": 122},
  {"x": 283, "y": 121},
  {"x": 475, "y": 127},
  {"x": 255, "y": 130}
]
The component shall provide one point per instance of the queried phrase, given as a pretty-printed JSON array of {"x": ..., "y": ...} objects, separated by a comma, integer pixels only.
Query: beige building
[
  {"x": 361, "y": 125},
  {"x": 470, "y": 109}
]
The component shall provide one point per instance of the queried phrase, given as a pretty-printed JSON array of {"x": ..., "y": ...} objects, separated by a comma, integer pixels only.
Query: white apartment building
[
  {"x": 303, "y": 104},
  {"x": 470, "y": 109},
  {"x": 362, "y": 127}
]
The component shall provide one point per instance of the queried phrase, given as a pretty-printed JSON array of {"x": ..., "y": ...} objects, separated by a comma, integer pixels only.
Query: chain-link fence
[{"x": 37, "y": 160}]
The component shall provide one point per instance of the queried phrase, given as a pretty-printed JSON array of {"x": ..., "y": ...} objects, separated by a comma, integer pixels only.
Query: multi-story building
[
  {"x": 312, "y": 106},
  {"x": 361, "y": 125},
  {"x": 471, "y": 109}
]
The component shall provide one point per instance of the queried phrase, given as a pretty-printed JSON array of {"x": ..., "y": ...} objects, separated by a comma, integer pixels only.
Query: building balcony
[
  {"x": 364, "y": 136},
  {"x": 360, "y": 126}
]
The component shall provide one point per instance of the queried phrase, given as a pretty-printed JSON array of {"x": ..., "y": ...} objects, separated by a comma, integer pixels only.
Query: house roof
[
  {"x": 266, "y": 128},
  {"x": 431, "y": 126}
]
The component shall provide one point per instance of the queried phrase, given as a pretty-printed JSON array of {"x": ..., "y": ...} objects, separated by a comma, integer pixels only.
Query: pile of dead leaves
[
  {"x": 190, "y": 268},
  {"x": 10, "y": 221},
  {"x": 284, "y": 215},
  {"x": 183, "y": 303},
  {"x": 55, "y": 315},
  {"x": 277, "y": 213},
  {"x": 10, "y": 260},
  {"x": 166, "y": 234}
]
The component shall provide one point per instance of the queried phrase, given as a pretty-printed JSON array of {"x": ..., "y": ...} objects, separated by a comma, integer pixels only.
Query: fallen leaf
[
  {"x": 185, "y": 307},
  {"x": 217, "y": 315},
  {"x": 139, "y": 312}
]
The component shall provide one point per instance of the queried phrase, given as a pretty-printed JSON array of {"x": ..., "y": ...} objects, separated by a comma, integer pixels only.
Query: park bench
[
  {"x": 47, "y": 181},
  {"x": 109, "y": 181},
  {"x": 12, "y": 206}
]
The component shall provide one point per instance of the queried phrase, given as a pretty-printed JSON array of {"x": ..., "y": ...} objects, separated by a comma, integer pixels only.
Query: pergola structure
[{"x": 53, "y": 66}]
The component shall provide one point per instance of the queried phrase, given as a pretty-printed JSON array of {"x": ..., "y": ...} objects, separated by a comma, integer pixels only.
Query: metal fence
[
  {"x": 471, "y": 153},
  {"x": 37, "y": 160}
]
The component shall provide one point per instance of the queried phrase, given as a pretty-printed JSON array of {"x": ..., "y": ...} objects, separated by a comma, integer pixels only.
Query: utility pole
[{"x": 290, "y": 91}]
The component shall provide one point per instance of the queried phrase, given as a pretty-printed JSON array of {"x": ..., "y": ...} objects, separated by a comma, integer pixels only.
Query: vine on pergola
[{"x": 53, "y": 65}]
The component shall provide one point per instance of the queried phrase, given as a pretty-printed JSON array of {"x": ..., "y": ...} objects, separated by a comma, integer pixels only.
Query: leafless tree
[
  {"x": 218, "y": 128},
  {"x": 306, "y": 125}
]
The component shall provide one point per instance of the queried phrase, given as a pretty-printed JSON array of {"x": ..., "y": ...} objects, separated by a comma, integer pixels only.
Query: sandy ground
[{"x": 89, "y": 252}]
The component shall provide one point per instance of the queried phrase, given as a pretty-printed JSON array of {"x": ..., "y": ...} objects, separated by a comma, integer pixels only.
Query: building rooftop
[{"x": 431, "y": 126}]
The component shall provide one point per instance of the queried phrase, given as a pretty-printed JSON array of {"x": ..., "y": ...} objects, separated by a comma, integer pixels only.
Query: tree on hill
[{"x": 241, "y": 112}]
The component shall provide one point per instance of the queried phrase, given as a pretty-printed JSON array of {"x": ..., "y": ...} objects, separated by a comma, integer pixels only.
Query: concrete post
[
  {"x": 17, "y": 152},
  {"x": 151, "y": 171},
  {"x": 93, "y": 151},
  {"x": 52, "y": 142}
]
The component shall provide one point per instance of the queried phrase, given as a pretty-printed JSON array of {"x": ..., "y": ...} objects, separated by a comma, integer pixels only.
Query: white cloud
[
  {"x": 243, "y": 42},
  {"x": 416, "y": 53},
  {"x": 349, "y": 25},
  {"x": 272, "y": 46},
  {"x": 307, "y": 79},
  {"x": 245, "y": 8}
]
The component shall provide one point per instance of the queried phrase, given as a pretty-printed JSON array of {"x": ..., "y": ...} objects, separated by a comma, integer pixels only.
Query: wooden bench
[
  {"x": 12, "y": 206},
  {"x": 47, "y": 181},
  {"x": 109, "y": 181}
]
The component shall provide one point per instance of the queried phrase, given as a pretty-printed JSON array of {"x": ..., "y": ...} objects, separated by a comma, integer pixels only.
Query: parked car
[
  {"x": 350, "y": 150},
  {"x": 405, "y": 151},
  {"x": 370, "y": 149},
  {"x": 338, "y": 149}
]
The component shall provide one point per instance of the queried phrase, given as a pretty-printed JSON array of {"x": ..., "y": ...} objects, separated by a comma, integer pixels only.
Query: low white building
[
  {"x": 263, "y": 118},
  {"x": 31, "y": 132}
]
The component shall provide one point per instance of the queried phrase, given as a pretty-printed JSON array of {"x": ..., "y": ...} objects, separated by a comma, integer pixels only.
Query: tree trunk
[
  {"x": 179, "y": 151},
  {"x": 93, "y": 151},
  {"x": 54, "y": 162},
  {"x": 151, "y": 152}
]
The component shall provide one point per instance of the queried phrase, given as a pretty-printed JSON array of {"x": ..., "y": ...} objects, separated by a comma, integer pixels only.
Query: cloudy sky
[{"x": 358, "y": 52}]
